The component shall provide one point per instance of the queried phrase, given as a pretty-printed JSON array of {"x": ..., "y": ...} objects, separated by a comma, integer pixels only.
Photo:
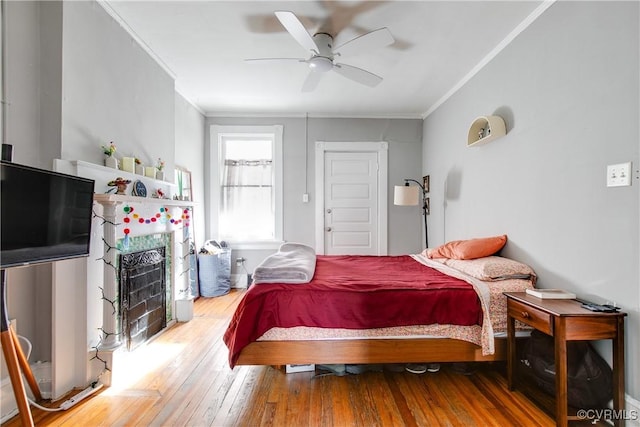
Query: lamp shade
[{"x": 406, "y": 195}]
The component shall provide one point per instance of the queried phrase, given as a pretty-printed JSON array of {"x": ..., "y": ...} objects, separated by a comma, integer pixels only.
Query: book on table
[{"x": 551, "y": 293}]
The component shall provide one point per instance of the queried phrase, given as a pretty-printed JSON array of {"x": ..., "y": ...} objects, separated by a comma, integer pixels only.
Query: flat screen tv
[{"x": 45, "y": 216}]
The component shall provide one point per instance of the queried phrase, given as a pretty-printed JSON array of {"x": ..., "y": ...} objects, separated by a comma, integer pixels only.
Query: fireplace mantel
[
  {"x": 103, "y": 175},
  {"x": 120, "y": 198}
]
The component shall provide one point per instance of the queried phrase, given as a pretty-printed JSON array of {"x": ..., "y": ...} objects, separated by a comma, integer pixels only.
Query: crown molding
[
  {"x": 107, "y": 7},
  {"x": 496, "y": 50},
  {"x": 315, "y": 115}
]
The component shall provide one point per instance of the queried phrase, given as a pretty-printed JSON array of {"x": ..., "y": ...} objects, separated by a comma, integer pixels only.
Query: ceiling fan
[{"x": 323, "y": 54}]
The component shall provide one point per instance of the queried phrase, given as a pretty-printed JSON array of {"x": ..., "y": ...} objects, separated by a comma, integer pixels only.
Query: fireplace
[
  {"x": 121, "y": 225},
  {"x": 143, "y": 295}
]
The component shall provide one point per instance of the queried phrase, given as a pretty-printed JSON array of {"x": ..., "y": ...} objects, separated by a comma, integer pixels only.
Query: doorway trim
[{"x": 382, "y": 149}]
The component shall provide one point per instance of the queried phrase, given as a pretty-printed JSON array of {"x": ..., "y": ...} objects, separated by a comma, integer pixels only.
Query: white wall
[
  {"x": 22, "y": 51},
  {"x": 568, "y": 89},
  {"x": 112, "y": 91},
  {"x": 189, "y": 149},
  {"x": 404, "y": 137}
]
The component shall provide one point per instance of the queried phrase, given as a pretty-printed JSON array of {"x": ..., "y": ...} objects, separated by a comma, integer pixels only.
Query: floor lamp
[{"x": 408, "y": 195}]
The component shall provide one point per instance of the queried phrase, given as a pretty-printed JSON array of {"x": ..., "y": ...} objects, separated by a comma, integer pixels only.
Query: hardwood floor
[{"x": 182, "y": 378}]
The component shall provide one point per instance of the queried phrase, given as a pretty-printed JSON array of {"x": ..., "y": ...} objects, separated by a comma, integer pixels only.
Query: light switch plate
[{"x": 619, "y": 175}]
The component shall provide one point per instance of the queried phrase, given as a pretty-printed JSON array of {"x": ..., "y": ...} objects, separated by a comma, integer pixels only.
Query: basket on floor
[{"x": 214, "y": 273}]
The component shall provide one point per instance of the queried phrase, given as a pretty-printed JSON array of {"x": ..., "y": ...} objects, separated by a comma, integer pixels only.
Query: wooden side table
[{"x": 566, "y": 320}]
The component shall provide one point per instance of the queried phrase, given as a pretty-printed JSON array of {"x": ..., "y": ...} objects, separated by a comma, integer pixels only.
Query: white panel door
[{"x": 351, "y": 203}]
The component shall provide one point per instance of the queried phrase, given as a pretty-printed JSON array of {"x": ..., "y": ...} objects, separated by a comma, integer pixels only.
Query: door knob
[
  {"x": 328, "y": 228},
  {"x": 328, "y": 210}
]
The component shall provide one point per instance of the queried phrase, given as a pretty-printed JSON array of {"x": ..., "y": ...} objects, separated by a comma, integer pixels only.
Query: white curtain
[{"x": 247, "y": 187}]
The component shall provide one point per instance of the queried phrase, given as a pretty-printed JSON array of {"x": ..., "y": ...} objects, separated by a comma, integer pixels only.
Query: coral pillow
[{"x": 469, "y": 249}]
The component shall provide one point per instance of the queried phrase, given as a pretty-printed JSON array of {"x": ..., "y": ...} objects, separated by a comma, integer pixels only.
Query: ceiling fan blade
[
  {"x": 266, "y": 60},
  {"x": 375, "y": 39},
  {"x": 357, "y": 74},
  {"x": 293, "y": 25},
  {"x": 312, "y": 80}
]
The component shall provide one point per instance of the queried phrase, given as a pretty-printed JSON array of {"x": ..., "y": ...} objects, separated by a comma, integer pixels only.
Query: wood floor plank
[
  {"x": 252, "y": 415},
  {"x": 424, "y": 399},
  {"x": 191, "y": 384},
  {"x": 404, "y": 412},
  {"x": 366, "y": 413},
  {"x": 493, "y": 385},
  {"x": 230, "y": 391},
  {"x": 244, "y": 394},
  {"x": 427, "y": 404},
  {"x": 341, "y": 400},
  {"x": 298, "y": 398},
  {"x": 379, "y": 397},
  {"x": 320, "y": 411},
  {"x": 469, "y": 397}
]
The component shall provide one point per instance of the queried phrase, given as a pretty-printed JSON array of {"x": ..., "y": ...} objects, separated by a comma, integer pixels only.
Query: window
[{"x": 246, "y": 175}]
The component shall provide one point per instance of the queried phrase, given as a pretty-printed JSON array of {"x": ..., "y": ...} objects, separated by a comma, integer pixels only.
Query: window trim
[{"x": 217, "y": 133}]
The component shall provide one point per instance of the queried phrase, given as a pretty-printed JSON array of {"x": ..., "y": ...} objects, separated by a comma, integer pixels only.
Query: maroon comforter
[{"x": 355, "y": 292}]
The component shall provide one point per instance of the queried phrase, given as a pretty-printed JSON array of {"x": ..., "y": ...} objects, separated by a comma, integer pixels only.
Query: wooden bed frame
[{"x": 362, "y": 351}]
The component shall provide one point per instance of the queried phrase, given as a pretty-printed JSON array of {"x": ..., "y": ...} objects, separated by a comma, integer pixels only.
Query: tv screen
[{"x": 45, "y": 216}]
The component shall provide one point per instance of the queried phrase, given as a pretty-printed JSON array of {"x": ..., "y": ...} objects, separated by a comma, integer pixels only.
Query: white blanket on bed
[{"x": 293, "y": 263}]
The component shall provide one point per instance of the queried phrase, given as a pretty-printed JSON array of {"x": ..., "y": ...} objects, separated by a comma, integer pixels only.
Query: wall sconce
[{"x": 409, "y": 195}]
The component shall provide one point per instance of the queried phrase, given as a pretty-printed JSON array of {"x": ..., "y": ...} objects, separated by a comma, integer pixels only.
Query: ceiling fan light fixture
[
  {"x": 320, "y": 45},
  {"x": 320, "y": 64}
]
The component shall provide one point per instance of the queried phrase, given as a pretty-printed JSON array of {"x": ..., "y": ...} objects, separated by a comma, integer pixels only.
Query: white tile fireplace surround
[{"x": 123, "y": 224}]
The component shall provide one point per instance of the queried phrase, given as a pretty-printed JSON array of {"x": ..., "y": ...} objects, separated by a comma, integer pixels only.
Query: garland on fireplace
[
  {"x": 104, "y": 334},
  {"x": 109, "y": 248},
  {"x": 163, "y": 216},
  {"x": 104, "y": 242},
  {"x": 113, "y": 303},
  {"x": 186, "y": 234},
  {"x": 105, "y": 367},
  {"x": 187, "y": 239}
]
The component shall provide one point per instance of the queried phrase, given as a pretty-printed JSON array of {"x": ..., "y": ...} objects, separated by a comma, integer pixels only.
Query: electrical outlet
[
  {"x": 619, "y": 175},
  {"x": 239, "y": 261}
]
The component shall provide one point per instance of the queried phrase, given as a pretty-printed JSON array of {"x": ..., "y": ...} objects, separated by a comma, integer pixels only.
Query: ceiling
[{"x": 203, "y": 44}]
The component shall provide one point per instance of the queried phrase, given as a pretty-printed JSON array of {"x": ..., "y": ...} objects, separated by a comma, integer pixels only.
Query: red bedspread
[{"x": 355, "y": 292}]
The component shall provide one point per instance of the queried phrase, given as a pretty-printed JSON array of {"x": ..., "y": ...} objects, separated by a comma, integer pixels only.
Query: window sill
[{"x": 256, "y": 245}]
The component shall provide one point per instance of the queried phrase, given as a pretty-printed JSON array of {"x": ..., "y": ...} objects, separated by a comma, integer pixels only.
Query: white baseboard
[{"x": 239, "y": 281}]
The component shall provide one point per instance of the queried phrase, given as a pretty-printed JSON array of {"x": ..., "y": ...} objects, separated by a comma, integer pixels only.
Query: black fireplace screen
[{"x": 142, "y": 295}]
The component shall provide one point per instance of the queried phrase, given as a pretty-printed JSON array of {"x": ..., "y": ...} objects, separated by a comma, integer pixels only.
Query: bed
[{"x": 409, "y": 309}]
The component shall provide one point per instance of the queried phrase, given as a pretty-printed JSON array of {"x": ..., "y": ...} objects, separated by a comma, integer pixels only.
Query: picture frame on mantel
[{"x": 183, "y": 179}]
